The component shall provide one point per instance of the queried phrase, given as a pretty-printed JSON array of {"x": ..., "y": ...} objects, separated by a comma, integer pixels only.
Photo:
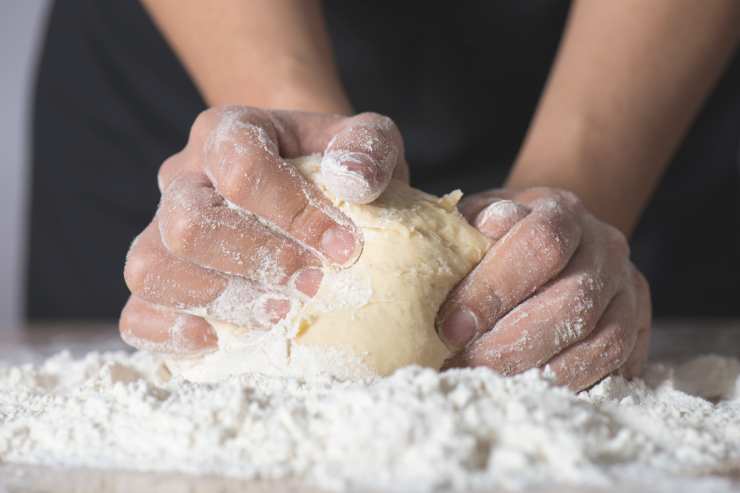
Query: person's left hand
[{"x": 557, "y": 288}]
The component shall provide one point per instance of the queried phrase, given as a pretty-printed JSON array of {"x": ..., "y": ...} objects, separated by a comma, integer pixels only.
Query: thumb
[
  {"x": 361, "y": 158},
  {"x": 361, "y": 153},
  {"x": 493, "y": 212}
]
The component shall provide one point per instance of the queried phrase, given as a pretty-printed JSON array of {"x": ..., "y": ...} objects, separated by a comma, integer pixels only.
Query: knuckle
[
  {"x": 567, "y": 197},
  {"x": 643, "y": 298},
  {"x": 540, "y": 194},
  {"x": 619, "y": 349},
  {"x": 615, "y": 344},
  {"x": 239, "y": 177},
  {"x": 247, "y": 114},
  {"x": 137, "y": 268},
  {"x": 557, "y": 198},
  {"x": 125, "y": 324},
  {"x": 648, "y": 329},
  {"x": 645, "y": 303},
  {"x": 586, "y": 297},
  {"x": 133, "y": 322},
  {"x": 238, "y": 131},
  {"x": 231, "y": 183},
  {"x": 535, "y": 194},
  {"x": 571, "y": 202},
  {"x": 174, "y": 166},
  {"x": 303, "y": 218},
  {"x": 643, "y": 287},
  {"x": 204, "y": 123},
  {"x": 617, "y": 242},
  {"x": 378, "y": 121},
  {"x": 235, "y": 112},
  {"x": 165, "y": 171},
  {"x": 180, "y": 231},
  {"x": 552, "y": 242}
]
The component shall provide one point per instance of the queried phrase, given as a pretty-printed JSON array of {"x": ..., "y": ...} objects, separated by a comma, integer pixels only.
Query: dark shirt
[{"x": 461, "y": 80}]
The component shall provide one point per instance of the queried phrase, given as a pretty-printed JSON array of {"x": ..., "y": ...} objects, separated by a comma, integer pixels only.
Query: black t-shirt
[{"x": 460, "y": 79}]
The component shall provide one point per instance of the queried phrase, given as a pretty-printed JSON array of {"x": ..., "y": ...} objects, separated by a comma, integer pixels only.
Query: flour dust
[{"x": 415, "y": 431}]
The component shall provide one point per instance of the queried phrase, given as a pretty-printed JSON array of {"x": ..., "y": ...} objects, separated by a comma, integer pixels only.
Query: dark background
[{"x": 112, "y": 101}]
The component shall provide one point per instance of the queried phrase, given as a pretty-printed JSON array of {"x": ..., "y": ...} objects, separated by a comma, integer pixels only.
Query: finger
[
  {"x": 244, "y": 165},
  {"x": 198, "y": 226},
  {"x": 156, "y": 276},
  {"x": 360, "y": 153},
  {"x": 361, "y": 158},
  {"x": 535, "y": 250},
  {"x": 497, "y": 218},
  {"x": 563, "y": 312},
  {"x": 183, "y": 162},
  {"x": 471, "y": 205},
  {"x": 492, "y": 213},
  {"x": 636, "y": 362},
  {"x": 638, "y": 358},
  {"x": 191, "y": 159},
  {"x": 604, "y": 351},
  {"x": 160, "y": 330}
]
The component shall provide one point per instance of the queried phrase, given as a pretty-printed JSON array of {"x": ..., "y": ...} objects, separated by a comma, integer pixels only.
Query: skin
[
  {"x": 557, "y": 287},
  {"x": 263, "y": 53},
  {"x": 629, "y": 79},
  {"x": 239, "y": 233},
  {"x": 614, "y": 110}
]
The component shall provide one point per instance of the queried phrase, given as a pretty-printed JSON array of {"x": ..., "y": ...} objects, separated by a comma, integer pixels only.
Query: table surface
[{"x": 673, "y": 340}]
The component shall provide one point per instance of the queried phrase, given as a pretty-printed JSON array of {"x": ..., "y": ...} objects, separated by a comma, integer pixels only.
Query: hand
[
  {"x": 240, "y": 235},
  {"x": 557, "y": 288}
]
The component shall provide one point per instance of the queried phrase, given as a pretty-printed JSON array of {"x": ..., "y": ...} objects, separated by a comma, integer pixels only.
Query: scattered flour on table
[{"x": 417, "y": 430}]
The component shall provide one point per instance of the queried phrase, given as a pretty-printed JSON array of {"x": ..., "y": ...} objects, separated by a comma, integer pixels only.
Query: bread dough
[{"x": 373, "y": 317}]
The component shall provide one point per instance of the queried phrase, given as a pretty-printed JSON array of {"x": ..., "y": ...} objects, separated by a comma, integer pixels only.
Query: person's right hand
[{"x": 240, "y": 235}]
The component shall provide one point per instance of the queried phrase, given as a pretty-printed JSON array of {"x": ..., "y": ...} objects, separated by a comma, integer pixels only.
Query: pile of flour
[{"x": 417, "y": 430}]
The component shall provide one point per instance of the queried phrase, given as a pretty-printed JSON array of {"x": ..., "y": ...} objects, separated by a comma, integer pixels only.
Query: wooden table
[{"x": 672, "y": 340}]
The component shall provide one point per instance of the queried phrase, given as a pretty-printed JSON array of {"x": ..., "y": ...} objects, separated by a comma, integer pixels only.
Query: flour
[{"x": 417, "y": 430}]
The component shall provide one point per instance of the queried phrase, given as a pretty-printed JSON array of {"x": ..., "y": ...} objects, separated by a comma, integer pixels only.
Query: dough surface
[{"x": 373, "y": 317}]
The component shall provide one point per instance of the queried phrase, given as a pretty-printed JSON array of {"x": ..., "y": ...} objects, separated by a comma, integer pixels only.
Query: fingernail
[
  {"x": 354, "y": 176},
  {"x": 360, "y": 163},
  {"x": 500, "y": 209},
  {"x": 308, "y": 281},
  {"x": 277, "y": 309},
  {"x": 498, "y": 218},
  {"x": 458, "y": 328},
  {"x": 339, "y": 245},
  {"x": 354, "y": 162}
]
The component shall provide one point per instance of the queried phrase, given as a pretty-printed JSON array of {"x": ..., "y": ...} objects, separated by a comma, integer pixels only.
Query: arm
[
  {"x": 198, "y": 250},
  {"x": 557, "y": 288},
  {"x": 629, "y": 79},
  {"x": 264, "y": 53}
]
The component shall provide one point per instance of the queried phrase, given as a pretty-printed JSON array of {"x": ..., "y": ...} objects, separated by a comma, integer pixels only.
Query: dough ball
[{"x": 373, "y": 317}]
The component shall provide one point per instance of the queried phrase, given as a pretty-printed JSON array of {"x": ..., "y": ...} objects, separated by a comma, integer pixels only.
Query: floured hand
[
  {"x": 557, "y": 289},
  {"x": 240, "y": 235}
]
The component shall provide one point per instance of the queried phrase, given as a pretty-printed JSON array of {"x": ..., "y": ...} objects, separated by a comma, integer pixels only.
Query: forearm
[
  {"x": 629, "y": 79},
  {"x": 264, "y": 53}
]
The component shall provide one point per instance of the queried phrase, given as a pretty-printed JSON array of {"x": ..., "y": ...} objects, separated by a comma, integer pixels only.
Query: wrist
[
  {"x": 307, "y": 97},
  {"x": 574, "y": 155},
  {"x": 291, "y": 84}
]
